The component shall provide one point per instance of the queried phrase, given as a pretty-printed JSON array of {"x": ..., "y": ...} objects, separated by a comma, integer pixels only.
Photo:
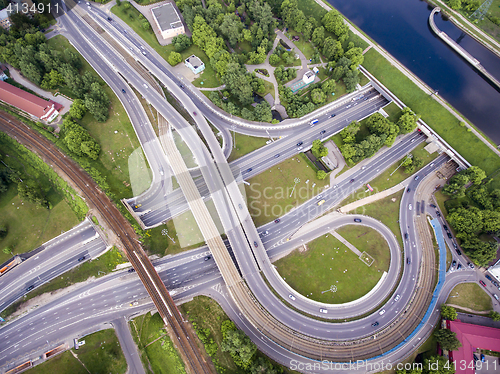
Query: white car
[
  {"x": 410, "y": 207},
  {"x": 323, "y": 310},
  {"x": 300, "y": 148},
  {"x": 291, "y": 297},
  {"x": 397, "y": 297},
  {"x": 381, "y": 312}
]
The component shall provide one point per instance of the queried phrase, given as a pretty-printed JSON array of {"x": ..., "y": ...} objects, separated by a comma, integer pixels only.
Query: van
[{"x": 313, "y": 122}]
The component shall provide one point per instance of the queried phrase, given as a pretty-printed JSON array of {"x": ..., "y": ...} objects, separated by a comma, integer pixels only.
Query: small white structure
[
  {"x": 315, "y": 70},
  {"x": 194, "y": 64},
  {"x": 168, "y": 20},
  {"x": 308, "y": 77}
]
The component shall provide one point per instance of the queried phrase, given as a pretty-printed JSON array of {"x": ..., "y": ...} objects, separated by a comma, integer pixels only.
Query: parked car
[
  {"x": 488, "y": 277},
  {"x": 433, "y": 206},
  {"x": 482, "y": 283},
  {"x": 482, "y": 358},
  {"x": 458, "y": 252},
  {"x": 445, "y": 227},
  {"x": 454, "y": 263},
  {"x": 437, "y": 213},
  {"x": 449, "y": 234}
]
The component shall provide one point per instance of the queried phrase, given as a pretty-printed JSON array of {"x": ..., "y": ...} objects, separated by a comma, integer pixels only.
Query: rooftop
[
  {"x": 25, "y": 101},
  {"x": 194, "y": 61},
  {"x": 167, "y": 17}
]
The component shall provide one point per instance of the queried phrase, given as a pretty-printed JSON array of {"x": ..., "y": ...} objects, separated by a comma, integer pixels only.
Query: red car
[{"x": 482, "y": 283}]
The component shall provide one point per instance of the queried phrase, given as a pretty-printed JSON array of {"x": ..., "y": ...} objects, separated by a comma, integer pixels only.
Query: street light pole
[
  {"x": 296, "y": 180},
  {"x": 234, "y": 135},
  {"x": 408, "y": 155}
]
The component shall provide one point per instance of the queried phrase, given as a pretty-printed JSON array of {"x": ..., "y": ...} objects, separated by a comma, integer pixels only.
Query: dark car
[
  {"x": 408, "y": 189},
  {"x": 416, "y": 178},
  {"x": 449, "y": 234},
  {"x": 255, "y": 244},
  {"x": 207, "y": 258},
  {"x": 488, "y": 277},
  {"x": 276, "y": 156},
  {"x": 438, "y": 214},
  {"x": 454, "y": 263},
  {"x": 123, "y": 90},
  {"x": 333, "y": 115},
  {"x": 406, "y": 235},
  {"x": 30, "y": 288},
  {"x": 433, "y": 206},
  {"x": 459, "y": 252},
  {"x": 445, "y": 227},
  {"x": 352, "y": 180},
  {"x": 299, "y": 144},
  {"x": 131, "y": 270},
  {"x": 249, "y": 170},
  {"x": 408, "y": 261},
  {"x": 194, "y": 113},
  {"x": 81, "y": 259},
  {"x": 109, "y": 18},
  {"x": 357, "y": 220},
  {"x": 471, "y": 265},
  {"x": 181, "y": 86},
  {"x": 322, "y": 132},
  {"x": 482, "y": 283},
  {"x": 277, "y": 220},
  {"x": 459, "y": 266},
  {"x": 375, "y": 324}
]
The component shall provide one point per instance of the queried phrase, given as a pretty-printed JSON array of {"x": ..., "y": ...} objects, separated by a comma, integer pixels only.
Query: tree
[
  {"x": 348, "y": 134},
  {"x": 274, "y": 59},
  {"x": 262, "y": 366},
  {"x": 77, "y": 109},
  {"x": 456, "y": 185},
  {"x": 236, "y": 81},
  {"x": 351, "y": 80},
  {"x": 455, "y": 4},
  {"x": 479, "y": 251},
  {"x": 231, "y": 28},
  {"x": 447, "y": 339},
  {"x": 240, "y": 347},
  {"x": 466, "y": 220},
  {"x": 318, "y": 96},
  {"x": 321, "y": 175},
  {"x": 495, "y": 316},
  {"x": 328, "y": 86},
  {"x": 97, "y": 102},
  {"x": 7, "y": 251},
  {"x": 181, "y": 42},
  {"x": 491, "y": 221},
  {"x": 174, "y": 58},
  {"x": 318, "y": 36},
  {"x": 448, "y": 312},
  {"x": 407, "y": 122},
  {"x": 318, "y": 149},
  {"x": 475, "y": 174},
  {"x": 263, "y": 112},
  {"x": 3, "y": 231},
  {"x": 28, "y": 190}
]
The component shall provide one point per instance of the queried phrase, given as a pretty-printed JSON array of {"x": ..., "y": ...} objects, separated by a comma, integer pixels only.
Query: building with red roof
[
  {"x": 29, "y": 103},
  {"x": 472, "y": 337}
]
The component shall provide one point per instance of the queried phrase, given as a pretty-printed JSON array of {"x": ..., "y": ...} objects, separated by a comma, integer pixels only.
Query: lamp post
[
  {"x": 296, "y": 180},
  {"x": 409, "y": 155}
]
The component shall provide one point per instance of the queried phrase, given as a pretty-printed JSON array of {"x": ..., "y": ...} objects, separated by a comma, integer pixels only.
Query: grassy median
[
  {"x": 472, "y": 296},
  {"x": 435, "y": 115}
]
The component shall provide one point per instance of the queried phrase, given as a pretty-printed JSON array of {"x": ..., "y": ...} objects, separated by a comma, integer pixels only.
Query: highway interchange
[{"x": 204, "y": 277}]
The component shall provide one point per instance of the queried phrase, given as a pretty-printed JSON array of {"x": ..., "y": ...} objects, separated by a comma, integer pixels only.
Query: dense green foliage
[
  {"x": 25, "y": 48},
  {"x": 448, "y": 312},
  {"x": 447, "y": 339}
]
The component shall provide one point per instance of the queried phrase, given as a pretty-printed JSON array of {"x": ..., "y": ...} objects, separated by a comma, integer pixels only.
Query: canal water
[{"x": 401, "y": 27}]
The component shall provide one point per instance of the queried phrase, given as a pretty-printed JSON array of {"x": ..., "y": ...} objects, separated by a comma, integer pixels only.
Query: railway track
[{"x": 49, "y": 153}]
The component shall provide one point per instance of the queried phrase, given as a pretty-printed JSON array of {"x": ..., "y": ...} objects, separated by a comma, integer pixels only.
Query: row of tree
[
  {"x": 467, "y": 5},
  {"x": 51, "y": 69},
  {"x": 474, "y": 211},
  {"x": 382, "y": 132}
]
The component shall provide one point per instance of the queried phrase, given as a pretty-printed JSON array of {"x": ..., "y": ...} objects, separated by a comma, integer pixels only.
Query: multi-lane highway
[{"x": 51, "y": 259}]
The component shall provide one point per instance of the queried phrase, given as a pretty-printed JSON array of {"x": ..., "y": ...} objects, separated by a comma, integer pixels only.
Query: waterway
[{"x": 401, "y": 27}]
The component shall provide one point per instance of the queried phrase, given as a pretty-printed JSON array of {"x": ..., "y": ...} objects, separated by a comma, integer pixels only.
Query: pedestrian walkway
[
  {"x": 372, "y": 198},
  {"x": 467, "y": 309},
  {"x": 341, "y": 239}
]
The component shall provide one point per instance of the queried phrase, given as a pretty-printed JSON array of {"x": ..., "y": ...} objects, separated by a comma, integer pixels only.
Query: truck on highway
[{"x": 321, "y": 202}]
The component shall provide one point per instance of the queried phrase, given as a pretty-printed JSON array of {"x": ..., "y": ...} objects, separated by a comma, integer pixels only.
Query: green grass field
[
  {"x": 116, "y": 136},
  {"x": 101, "y": 353},
  {"x": 269, "y": 193},
  {"x": 328, "y": 262},
  {"x": 245, "y": 144},
  {"x": 385, "y": 210},
  {"x": 157, "y": 350},
  {"x": 386, "y": 180},
  {"x": 470, "y": 295},
  {"x": 437, "y": 117}
]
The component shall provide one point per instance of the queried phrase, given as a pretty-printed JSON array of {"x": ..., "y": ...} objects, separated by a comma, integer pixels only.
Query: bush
[{"x": 174, "y": 58}]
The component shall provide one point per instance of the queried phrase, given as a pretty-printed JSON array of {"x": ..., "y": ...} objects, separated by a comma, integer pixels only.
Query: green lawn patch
[
  {"x": 305, "y": 46},
  {"x": 437, "y": 117},
  {"x": 311, "y": 8},
  {"x": 98, "y": 267},
  {"x": 269, "y": 193},
  {"x": 470, "y": 295},
  {"x": 385, "y": 210},
  {"x": 327, "y": 262},
  {"x": 269, "y": 89},
  {"x": 393, "y": 111},
  {"x": 245, "y": 144},
  {"x": 155, "y": 346},
  {"x": 385, "y": 180},
  {"x": 363, "y": 79},
  {"x": 101, "y": 353}
]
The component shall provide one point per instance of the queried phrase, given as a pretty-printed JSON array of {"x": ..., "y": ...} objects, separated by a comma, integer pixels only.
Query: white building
[
  {"x": 495, "y": 270},
  {"x": 168, "y": 20},
  {"x": 308, "y": 77},
  {"x": 194, "y": 64}
]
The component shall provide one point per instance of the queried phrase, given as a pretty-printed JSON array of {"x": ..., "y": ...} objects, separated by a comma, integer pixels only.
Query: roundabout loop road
[{"x": 358, "y": 307}]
